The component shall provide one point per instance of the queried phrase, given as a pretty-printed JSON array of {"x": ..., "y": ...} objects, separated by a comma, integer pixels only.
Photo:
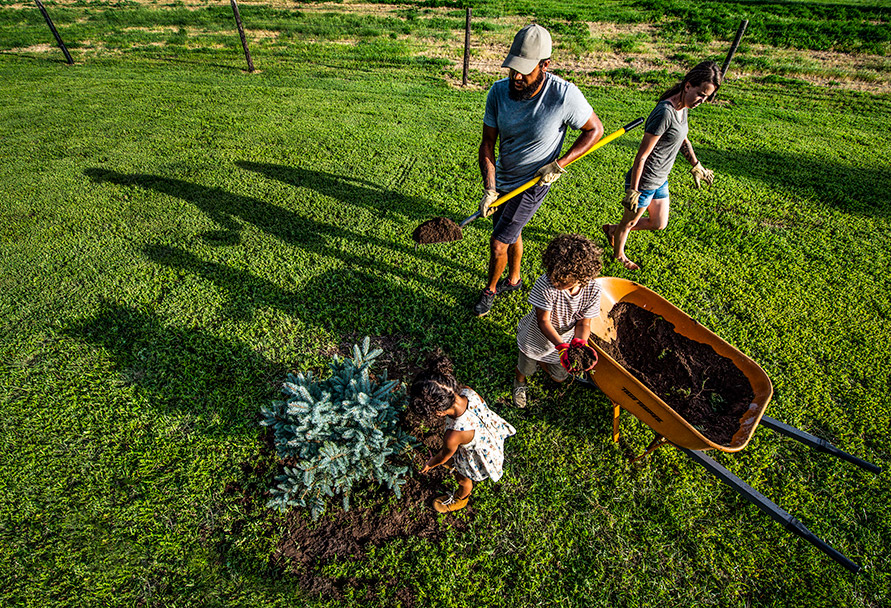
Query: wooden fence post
[
  {"x": 466, "y": 47},
  {"x": 739, "y": 34},
  {"x": 244, "y": 45},
  {"x": 52, "y": 27}
]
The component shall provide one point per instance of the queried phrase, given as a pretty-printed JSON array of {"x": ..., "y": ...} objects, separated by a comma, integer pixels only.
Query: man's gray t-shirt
[
  {"x": 671, "y": 127},
  {"x": 531, "y": 132}
]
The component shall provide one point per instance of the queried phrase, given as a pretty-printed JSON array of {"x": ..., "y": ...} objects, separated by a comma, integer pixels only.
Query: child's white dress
[{"x": 483, "y": 457}]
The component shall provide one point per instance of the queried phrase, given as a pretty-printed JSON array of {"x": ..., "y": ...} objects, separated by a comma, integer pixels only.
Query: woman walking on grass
[
  {"x": 646, "y": 184},
  {"x": 474, "y": 435}
]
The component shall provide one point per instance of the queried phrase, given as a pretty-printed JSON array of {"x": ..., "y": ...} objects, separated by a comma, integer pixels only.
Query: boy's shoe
[
  {"x": 519, "y": 395},
  {"x": 505, "y": 286},
  {"x": 448, "y": 503},
  {"x": 484, "y": 305},
  {"x": 583, "y": 380}
]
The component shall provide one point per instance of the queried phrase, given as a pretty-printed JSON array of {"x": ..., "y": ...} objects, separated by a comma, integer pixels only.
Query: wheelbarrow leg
[
  {"x": 617, "y": 409},
  {"x": 821, "y": 445},
  {"x": 657, "y": 443},
  {"x": 768, "y": 507}
]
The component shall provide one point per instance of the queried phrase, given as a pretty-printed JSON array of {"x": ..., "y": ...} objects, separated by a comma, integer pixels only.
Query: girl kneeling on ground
[
  {"x": 474, "y": 434},
  {"x": 646, "y": 184}
]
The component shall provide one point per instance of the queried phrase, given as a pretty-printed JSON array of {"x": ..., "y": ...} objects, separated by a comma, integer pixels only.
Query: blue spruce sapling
[{"x": 337, "y": 432}]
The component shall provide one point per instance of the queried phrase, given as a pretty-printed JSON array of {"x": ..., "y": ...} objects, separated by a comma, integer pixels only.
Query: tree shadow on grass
[
  {"x": 180, "y": 369},
  {"x": 841, "y": 185},
  {"x": 302, "y": 231}
]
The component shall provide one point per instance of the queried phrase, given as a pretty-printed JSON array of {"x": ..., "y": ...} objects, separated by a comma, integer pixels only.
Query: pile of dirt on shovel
[
  {"x": 437, "y": 230},
  {"x": 705, "y": 388}
]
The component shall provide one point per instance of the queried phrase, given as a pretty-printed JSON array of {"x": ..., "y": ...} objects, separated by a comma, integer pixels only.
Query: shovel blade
[{"x": 437, "y": 230}]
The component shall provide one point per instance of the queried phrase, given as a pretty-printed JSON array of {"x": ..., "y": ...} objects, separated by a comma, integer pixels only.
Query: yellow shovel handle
[{"x": 601, "y": 143}]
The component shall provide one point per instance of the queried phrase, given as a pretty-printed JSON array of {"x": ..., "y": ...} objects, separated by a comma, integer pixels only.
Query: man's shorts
[
  {"x": 510, "y": 217},
  {"x": 528, "y": 366},
  {"x": 648, "y": 195}
]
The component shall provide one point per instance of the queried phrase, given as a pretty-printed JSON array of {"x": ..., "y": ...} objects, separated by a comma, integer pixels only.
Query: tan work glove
[
  {"x": 700, "y": 173},
  {"x": 488, "y": 198},
  {"x": 550, "y": 173},
  {"x": 631, "y": 198}
]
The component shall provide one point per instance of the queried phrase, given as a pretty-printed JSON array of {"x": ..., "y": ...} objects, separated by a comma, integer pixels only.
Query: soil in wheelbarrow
[
  {"x": 703, "y": 387},
  {"x": 376, "y": 517},
  {"x": 437, "y": 230}
]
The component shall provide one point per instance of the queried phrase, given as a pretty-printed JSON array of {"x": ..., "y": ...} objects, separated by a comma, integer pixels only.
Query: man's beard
[{"x": 526, "y": 92}]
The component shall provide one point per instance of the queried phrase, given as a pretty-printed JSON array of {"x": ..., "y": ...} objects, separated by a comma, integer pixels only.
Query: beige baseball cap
[{"x": 531, "y": 45}]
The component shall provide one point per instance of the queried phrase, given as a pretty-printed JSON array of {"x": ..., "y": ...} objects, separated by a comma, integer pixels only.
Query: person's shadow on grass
[
  {"x": 351, "y": 301},
  {"x": 183, "y": 369},
  {"x": 350, "y": 190},
  {"x": 345, "y": 301},
  {"x": 226, "y": 209}
]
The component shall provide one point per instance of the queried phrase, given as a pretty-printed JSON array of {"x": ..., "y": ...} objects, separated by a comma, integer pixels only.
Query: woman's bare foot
[
  {"x": 628, "y": 264},
  {"x": 609, "y": 234}
]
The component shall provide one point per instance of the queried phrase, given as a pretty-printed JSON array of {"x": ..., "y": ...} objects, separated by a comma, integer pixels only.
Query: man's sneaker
[
  {"x": 519, "y": 395},
  {"x": 505, "y": 286},
  {"x": 485, "y": 303}
]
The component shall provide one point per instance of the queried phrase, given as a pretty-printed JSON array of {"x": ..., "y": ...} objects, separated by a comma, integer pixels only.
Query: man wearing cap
[{"x": 527, "y": 113}]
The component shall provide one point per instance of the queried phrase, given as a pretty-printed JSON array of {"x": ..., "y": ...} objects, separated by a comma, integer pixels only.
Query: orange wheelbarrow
[{"x": 627, "y": 392}]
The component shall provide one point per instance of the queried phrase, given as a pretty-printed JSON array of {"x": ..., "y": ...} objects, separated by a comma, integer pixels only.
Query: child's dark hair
[
  {"x": 707, "y": 71},
  {"x": 435, "y": 388},
  {"x": 571, "y": 258}
]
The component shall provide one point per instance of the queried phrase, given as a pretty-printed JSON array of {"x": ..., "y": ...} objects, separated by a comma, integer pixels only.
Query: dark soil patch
[
  {"x": 437, "y": 230},
  {"x": 376, "y": 517},
  {"x": 580, "y": 358},
  {"x": 705, "y": 388},
  {"x": 401, "y": 360}
]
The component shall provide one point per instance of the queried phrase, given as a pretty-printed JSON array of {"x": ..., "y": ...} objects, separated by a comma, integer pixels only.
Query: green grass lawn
[{"x": 177, "y": 235}]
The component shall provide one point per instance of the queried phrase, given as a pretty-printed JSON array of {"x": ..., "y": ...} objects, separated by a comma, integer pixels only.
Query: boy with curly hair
[{"x": 564, "y": 300}]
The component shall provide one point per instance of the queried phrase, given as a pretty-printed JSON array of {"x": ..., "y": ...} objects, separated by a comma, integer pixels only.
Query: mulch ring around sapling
[
  {"x": 376, "y": 517},
  {"x": 437, "y": 230},
  {"x": 704, "y": 388}
]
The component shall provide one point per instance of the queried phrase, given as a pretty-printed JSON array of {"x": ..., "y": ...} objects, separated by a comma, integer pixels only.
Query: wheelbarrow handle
[
  {"x": 768, "y": 507},
  {"x": 520, "y": 189},
  {"x": 821, "y": 445},
  {"x": 798, "y": 528}
]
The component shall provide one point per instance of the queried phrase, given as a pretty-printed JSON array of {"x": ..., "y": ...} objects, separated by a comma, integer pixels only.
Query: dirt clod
[
  {"x": 580, "y": 358},
  {"x": 705, "y": 388},
  {"x": 437, "y": 230}
]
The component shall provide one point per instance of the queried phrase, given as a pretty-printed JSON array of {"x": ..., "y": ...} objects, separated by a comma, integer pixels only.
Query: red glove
[{"x": 563, "y": 349}]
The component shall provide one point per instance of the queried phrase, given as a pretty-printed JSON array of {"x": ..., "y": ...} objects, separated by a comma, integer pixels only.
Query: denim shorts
[
  {"x": 648, "y": 195},
  {"x": 510, "y": 217}
]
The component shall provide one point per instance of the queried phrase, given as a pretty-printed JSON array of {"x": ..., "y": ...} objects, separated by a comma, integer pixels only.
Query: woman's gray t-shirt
[
  {"x": 531, "y": 132},
  {"x": 671, "y": 127}
]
